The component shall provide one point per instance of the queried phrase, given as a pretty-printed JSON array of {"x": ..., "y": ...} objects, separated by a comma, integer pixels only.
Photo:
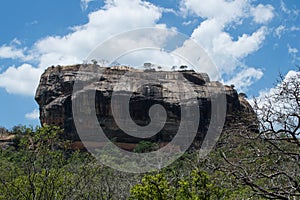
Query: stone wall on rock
[{"x": 54, "y": 96}]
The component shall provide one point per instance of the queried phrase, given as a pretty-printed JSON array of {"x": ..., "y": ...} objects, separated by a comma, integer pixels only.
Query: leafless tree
[{"x": 265, "y": 160}]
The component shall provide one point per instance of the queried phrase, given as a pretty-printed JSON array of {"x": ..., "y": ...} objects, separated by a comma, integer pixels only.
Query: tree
[
  {"x": 37, "y": 171},
  {"x": 115, "y": 63},
  {"x": 148, "y": 65},
  {"x": 280, "y": 111},
  {"x": 243, "y": 95},
  {"x": 154, "y": 187},
  {"x": 43, "y": 167},
  {"x": 279, "y": 114},
  {"x": 196, "y": 186},
  {"x": 3, "y": 131},
  {"x": 94, "y": 61},
  {"x": 103, "y": 62},
  {"x": 183, "y": 67},
  {"x": 266, "y": 160}
]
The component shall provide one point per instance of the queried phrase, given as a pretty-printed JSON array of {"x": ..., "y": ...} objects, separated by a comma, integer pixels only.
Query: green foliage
[
  {"x": 246, "y": 164},
  {"x": 145, "y": 146},
  {"x": 198, "y": 185},
  {"x": 42, "y": 167},
  {"x": 153, "y": 187},
  {"x": 37, "y": 170}
]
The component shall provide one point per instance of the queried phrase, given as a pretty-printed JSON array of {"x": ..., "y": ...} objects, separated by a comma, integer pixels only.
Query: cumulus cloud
[
  {"x": 262, "y": 13},
  {"x": 225, "y": 11},
  {"x": 33, "y": 115},
  {"x": 223, "y": 49},
  {"x": 245, "y": 78},
  {"x": 158, "y": 58},
  {"x": 226, "y": 51},
  {"x": 111, "y": 20},
  {"x": 21, "y": 80},
  {"x": 243, "y": 46},
  {"x": 76, "y": 46},
  {"x": 11, "y": 52},
  {"x": 104, "y": 23}
]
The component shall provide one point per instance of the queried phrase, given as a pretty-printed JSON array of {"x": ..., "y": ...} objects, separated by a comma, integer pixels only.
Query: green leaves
[
  {"x": 196, "y": 186},
  {"x": 37, "y": 170},
  {"x": 153, "y": 187},
  {"x": 42, "y": 168}
]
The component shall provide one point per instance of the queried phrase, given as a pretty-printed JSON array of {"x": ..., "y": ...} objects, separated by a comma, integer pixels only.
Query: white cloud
[
  {"x": 21, "y": 80},
  {"x": 266, "y": 93},
  {"x": 111, "y": 20},
  {"x": 262, "y": 13},
  {"x": 11, "y": 52},
  {"x": 290, "y": 12},
  {"x": 74, "y": 47},
  {"x": 292, "y": 50},
  {"x": 14, "y": 51},
  {"x": 245, "y": 78},
  {"x": 279, "y": 31},
  {"x": 104, "y": 23},
  {"x": 33, "y": 115},
  {"x": 187, "y": 23},
  {"x": 243, "y": 46},
  {"x": 85, "y": 4},
  {"x": 223, "y": 49},
  {"x": 159, "y": 58},
  {"x": 295, "y": 28},
  {"x": 224, "y": 11},
  {"x": 293, "y": 53},
  {"x": 283, "y": 7},
  {"x": 226, "y": 51}
]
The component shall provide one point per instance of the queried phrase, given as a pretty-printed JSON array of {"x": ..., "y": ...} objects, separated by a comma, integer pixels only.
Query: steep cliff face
[{"x": 54, "y": 96}]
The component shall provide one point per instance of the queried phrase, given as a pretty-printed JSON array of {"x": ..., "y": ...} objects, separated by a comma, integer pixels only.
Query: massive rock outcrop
[{"x": 54, "y": 96}]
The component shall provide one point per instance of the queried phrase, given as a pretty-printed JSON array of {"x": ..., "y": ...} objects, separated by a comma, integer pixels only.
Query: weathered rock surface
[
  {"x": 6, "y": 139},
  {"x": 54, "y": 96}
]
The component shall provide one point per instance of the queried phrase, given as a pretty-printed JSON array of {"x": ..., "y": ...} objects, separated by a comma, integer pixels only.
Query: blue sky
[{"x": 250, "y": 41}]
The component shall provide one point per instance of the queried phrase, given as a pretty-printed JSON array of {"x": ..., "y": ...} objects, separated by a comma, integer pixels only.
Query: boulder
[{"x": 54, "y": 96}]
